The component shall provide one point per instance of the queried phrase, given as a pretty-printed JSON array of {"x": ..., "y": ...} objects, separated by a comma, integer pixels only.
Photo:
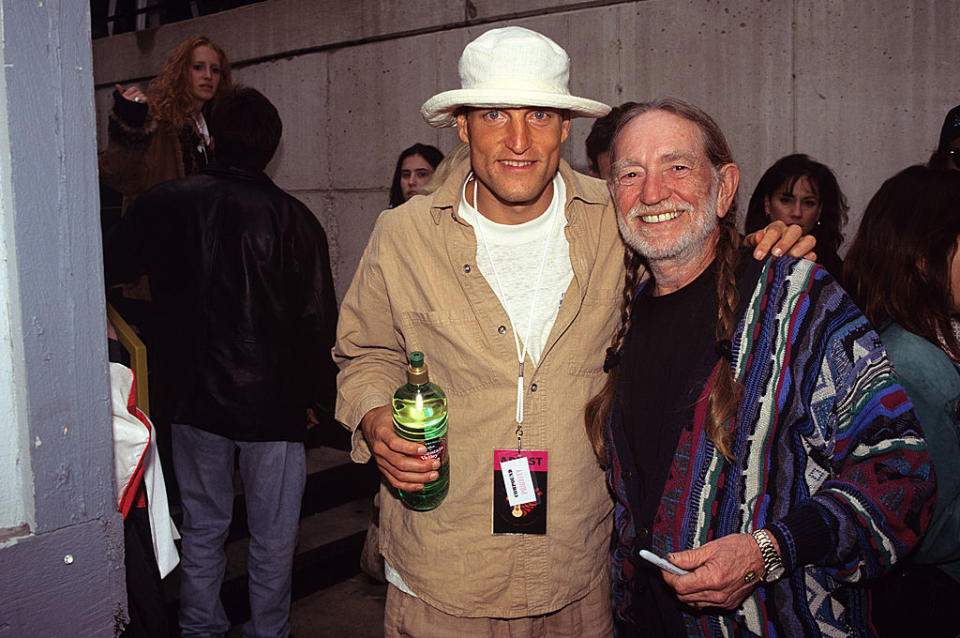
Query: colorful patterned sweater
[{"x": 827, "y": 456}]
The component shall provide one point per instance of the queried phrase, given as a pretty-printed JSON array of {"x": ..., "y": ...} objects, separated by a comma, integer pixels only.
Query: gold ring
[{"x": 749, "y": 577}]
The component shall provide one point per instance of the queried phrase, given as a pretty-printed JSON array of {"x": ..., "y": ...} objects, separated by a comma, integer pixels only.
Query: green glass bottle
[{"x": 420, "y": 415}]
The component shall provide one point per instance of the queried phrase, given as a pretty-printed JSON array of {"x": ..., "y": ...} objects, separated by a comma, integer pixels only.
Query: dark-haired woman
[
  {"x": 162, "y": 134},
  {"x": 800, "y": 190},
  {"x": 415, "y": 167},
  {"x": 903, "y": 270}
]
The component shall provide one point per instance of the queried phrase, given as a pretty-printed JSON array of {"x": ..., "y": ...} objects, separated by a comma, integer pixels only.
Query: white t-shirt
[{"x": 517, "y": 252}]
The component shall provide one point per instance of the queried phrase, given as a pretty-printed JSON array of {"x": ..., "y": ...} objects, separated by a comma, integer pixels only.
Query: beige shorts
[{"x": 590, "y": 617}]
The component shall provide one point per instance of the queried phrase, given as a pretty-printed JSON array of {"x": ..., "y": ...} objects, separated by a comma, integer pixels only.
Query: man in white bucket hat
[{"x": 508, "y": 279}]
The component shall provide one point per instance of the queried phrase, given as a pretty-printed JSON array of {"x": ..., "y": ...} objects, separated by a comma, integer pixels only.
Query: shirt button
[
  {"x": 627, "y": 475},
  {"x": 502, "y": 329},
  {"x": 466, "y": 268},
  {"x": 643, "y": 535},
  {"x": 533, "y": 387}
]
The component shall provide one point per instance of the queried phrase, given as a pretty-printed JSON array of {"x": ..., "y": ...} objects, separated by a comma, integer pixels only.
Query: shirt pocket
[
  {"x": 453, "y": 348},
  {"x": 598, "y": 320}
]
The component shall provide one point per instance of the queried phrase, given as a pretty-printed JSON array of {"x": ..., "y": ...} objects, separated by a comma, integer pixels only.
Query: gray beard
[{"x": 687, "y": 246}]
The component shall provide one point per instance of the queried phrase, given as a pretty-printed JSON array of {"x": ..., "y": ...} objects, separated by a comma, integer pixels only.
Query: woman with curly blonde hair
[{"x": 162, "y": 134}]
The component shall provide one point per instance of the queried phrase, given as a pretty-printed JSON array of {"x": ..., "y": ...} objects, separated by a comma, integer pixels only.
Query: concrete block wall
[{"x": 861, "y": 86}]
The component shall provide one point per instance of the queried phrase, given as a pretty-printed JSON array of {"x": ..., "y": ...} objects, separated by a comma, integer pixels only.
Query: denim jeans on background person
[{"x": 273, "y": 475}]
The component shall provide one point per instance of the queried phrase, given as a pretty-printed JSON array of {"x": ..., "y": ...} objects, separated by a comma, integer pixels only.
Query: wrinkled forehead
[{"x": 658, "y": 135}]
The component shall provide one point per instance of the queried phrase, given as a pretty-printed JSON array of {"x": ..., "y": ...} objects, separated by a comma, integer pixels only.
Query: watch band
[{"x": 772, "y": 564}]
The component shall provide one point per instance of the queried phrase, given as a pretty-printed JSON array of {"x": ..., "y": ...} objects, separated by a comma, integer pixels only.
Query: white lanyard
[{"x": 521, "y": 353}]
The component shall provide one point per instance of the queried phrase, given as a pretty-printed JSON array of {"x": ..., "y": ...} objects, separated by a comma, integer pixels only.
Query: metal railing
[
  {"x": 138, "y": 357},
  {"x": 112, "y": 17}
]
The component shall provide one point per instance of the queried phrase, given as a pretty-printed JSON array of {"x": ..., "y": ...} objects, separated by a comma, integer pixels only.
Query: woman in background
[
  {"x": 415, "y": 166},
  {"x": 444, "y": 168},
  {"x": 799, "y": 190},
  {"x": 903, "y": 270},
  {"x": 162, "y": 134}
]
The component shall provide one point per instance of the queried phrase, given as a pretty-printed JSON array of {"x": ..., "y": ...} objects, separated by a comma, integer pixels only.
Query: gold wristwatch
[{"x": 772, "y": 565}]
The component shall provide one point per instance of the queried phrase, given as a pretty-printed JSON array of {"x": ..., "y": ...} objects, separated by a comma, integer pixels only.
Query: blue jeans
[{"x": 273, "y": 475}]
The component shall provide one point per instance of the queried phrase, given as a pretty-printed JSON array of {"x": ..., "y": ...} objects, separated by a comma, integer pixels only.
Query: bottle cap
[{"x": 417, "y": 372}]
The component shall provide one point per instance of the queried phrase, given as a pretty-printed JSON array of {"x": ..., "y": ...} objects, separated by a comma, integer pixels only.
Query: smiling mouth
[
  {"x": 662, "y": 217},
  {"x": 516, "y": 163}
]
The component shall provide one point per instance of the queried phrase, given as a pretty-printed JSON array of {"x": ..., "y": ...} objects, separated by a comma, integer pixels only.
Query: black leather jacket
[{"x": 244, "y": 307}]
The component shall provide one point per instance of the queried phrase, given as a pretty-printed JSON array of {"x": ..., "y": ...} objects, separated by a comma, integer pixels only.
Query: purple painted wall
[{"x": 61, "y": 570}]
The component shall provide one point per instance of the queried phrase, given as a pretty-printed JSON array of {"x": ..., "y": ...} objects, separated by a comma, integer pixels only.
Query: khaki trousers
[{"x": 590, "y": 617}]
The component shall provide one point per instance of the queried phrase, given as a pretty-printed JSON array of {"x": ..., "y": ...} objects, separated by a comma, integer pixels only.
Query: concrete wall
[
  {"x": 861, "y": 86},
  {"x": 61, "y": 542}
]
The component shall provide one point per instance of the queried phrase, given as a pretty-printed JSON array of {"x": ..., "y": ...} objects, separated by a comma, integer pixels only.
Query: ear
[
  {"x": 728, "y": 181},
  {"x": 565, "y": 127},
  {"x": 463, "y": 128},
  {"x": 766, "y": 206}
]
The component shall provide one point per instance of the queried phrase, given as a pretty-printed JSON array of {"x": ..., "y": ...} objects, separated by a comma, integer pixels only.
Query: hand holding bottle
[
  {"x": 398, "y": 459},
  {"x": 420, "y": 416}
]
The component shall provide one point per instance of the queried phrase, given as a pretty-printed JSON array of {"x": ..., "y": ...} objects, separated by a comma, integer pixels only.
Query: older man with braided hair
[{"x": 752, "y": 427}]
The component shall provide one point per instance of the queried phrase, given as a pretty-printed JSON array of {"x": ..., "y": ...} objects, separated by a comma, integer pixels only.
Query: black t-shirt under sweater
[{"x": 666, "y": 359}]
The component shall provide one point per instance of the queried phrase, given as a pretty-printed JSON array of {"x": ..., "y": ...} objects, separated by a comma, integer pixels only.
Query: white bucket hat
[{"x": 511, "y": 67}]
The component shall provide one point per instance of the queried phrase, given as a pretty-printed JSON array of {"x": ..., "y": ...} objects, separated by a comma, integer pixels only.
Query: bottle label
[{"x": 436, "y": 449}]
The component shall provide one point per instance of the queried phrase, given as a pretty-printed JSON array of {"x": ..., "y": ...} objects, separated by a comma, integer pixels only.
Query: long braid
[
  {"x": 632, "y": 262},
  {"x": 725, "y": 394},
  {"x": 598, "y": 408}
]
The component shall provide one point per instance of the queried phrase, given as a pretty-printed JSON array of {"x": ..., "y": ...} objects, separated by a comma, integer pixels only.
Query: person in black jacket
[{"x": 246, "y": 316}]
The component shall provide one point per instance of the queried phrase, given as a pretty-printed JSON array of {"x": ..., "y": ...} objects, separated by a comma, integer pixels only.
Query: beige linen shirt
[{"x": 418, "y": 288}]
